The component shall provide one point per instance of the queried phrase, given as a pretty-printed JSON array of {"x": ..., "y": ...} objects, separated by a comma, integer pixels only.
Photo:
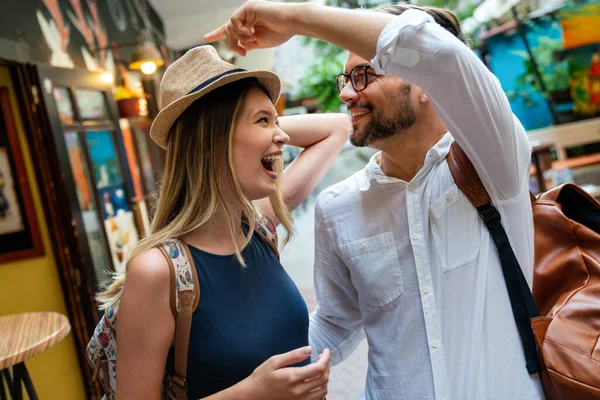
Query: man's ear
[{"x": 423, "y": 98}]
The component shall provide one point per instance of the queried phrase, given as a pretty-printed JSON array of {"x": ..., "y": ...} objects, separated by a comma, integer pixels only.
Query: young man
[{"x": 400, "y": 252}]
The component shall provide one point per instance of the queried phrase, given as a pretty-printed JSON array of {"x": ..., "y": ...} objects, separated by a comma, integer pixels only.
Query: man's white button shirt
[{"x": 411, "y": 263}]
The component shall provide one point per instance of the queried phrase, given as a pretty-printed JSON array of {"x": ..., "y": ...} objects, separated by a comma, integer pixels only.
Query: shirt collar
[{"x": 372, "y": 171}]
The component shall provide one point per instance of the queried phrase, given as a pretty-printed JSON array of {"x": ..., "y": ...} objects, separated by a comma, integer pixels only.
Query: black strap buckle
[
  {"x": 179, "y": 380},
  {"x": 490, "y": 215}
]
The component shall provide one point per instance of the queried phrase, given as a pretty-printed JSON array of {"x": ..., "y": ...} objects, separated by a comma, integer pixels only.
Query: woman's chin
[
  {"x": 260, "y": 193},
  {"x": 271, "y": 192}
]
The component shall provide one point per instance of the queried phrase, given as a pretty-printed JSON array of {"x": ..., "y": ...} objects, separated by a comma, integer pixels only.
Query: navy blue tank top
[{"x": 245, "y": 316}]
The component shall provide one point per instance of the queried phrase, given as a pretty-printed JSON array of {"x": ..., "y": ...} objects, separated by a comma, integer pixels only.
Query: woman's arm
[
  {"x": 322, "y": 136},
  {"x": 146, "y": 327}
]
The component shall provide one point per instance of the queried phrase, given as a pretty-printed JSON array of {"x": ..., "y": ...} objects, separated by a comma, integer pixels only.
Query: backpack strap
[
  {"x": 521, "y": 300},
  {"x": 185, "y": 297},
  {"x": 265, "y": 228}
]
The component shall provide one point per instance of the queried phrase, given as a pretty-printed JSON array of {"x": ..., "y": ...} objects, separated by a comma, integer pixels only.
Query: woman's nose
[{"x": 281, "y": 137}]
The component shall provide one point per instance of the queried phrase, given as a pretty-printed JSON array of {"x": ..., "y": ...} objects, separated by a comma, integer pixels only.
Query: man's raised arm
[{"x": 465, "y": 95}]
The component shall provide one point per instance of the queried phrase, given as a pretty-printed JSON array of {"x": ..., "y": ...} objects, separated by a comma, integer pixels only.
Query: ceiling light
[
  {"x": 146, "y": 58},
  {"x": 148, "y": 67},
  {"x": 107, "y": 77}
]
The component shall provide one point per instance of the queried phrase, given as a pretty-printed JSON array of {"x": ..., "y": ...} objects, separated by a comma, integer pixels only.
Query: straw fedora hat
[{"x": 196, "y": 73}]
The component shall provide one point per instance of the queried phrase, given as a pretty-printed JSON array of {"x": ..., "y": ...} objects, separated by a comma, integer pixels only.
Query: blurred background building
[{"x": 78, "y": 171}]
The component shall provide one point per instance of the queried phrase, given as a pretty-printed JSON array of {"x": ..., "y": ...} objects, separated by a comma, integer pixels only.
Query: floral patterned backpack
[{"x": 185, "y": 297}]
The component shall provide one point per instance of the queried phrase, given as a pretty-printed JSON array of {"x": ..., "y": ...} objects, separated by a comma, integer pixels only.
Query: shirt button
[
  {"x": 412, "y": 186},
  {"x": 363, "y": 246},
  {"x": 443, "y": 397},
  {"x": 425, "y": 289},
  {"x": 435, "y": 344},
  {"x": 449, "y": 196},
  {"x": 415, "y": 236}
]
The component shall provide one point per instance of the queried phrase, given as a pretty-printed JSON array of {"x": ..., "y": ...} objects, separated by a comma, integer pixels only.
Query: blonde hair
[{"x": 191, "y": 191}]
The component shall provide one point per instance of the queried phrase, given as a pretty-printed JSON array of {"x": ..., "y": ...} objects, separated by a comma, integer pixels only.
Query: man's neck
[{"x": 403, "y": 158}]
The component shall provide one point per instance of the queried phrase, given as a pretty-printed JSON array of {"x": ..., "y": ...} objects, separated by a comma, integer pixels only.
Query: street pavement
[{"x": 347, "y": 379}]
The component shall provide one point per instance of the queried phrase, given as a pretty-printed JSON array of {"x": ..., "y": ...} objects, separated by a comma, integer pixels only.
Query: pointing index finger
[{"x": 215, "y": 35}]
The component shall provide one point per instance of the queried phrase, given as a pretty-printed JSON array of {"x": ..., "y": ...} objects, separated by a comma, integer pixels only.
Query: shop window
[{"x": 92, "y": 105}]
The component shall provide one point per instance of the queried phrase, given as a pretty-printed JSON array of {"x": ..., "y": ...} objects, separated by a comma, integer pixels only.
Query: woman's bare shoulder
[{"x": 149, "y": 270}]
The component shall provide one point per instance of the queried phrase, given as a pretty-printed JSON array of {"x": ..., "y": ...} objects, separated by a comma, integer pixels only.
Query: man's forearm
[
  {"x": 341, "y": 342},
  {"x": 354, "y": 30}
]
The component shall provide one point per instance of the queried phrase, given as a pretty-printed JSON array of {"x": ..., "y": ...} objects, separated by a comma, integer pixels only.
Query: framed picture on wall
[{"x": 19, "y": 232}]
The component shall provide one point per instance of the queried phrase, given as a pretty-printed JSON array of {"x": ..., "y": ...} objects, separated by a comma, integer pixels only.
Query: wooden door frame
[
  {"x": 83, "y": 79},
  {"x": 44, "y": 134},
  {"x": 68, "y": 258},
  {"x": 84, "y": 278}
]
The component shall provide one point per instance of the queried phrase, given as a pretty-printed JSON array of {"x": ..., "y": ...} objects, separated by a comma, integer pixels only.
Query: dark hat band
[{"x": 214, "y": 78}]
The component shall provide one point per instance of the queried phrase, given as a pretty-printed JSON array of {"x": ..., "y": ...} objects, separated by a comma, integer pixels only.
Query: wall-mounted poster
[
  {"x": 122, "y": 236},
  {"x": 19, "y": 235},
  {"x": 11, "y": 219},
  {"x": 104, "y": 159},
  {"x": 580, "y": 24},
  {"x": 79, "y": 171},
  {"x": 581, "y": 37},
  {"x": 64, "y": 105}
]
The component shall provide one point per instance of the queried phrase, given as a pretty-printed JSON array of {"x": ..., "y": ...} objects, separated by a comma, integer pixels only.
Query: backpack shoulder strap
[
  {"x": 265, "y": 228},
  {"x": 466, "y": 177},
  {"x": 185, "y": 297},
  {"x": 521, "y": 300}
]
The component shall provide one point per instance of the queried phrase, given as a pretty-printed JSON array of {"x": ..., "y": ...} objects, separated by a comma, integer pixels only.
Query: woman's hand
[{"x": 274, "y": 380}]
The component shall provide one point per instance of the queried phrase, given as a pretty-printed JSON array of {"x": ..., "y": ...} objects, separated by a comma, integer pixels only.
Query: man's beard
[{"x": 382, "y": 126}]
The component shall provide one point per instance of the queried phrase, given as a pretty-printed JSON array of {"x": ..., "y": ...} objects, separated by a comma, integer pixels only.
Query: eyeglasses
[{"x": 358, "y": 77}]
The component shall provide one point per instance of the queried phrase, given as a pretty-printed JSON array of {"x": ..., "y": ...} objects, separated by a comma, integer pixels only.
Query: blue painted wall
[{"x": 507, "y": 67}]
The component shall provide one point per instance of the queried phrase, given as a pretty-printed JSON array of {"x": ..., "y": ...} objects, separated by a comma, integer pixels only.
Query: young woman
[{"x": 224, "y": 142}]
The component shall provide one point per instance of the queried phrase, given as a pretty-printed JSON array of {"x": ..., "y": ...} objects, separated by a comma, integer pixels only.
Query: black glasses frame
[{"x": 341, "y": 84}]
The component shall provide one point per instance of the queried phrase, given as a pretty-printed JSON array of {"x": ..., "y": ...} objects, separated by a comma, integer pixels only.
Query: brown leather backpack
[{"x": 566, "y": 283}]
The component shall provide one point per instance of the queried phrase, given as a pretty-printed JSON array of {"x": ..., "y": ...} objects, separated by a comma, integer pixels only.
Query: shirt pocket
[
  {"x": 374, "y": 267},
  {"x": 456, "y": 228}
]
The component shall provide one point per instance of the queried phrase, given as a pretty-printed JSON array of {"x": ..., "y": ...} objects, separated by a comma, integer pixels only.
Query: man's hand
[
  {"x": 263, "y": 24},
  {"x": 256, "y": 25}
]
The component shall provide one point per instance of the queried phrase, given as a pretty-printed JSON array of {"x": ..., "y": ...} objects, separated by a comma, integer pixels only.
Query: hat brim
[{"x": 168, "y": 115}]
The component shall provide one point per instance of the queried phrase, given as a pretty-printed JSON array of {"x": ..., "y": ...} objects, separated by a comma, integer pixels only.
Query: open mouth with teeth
[
  {"x": 271, "y": 164},
  {"x": 359, "y": 114}
]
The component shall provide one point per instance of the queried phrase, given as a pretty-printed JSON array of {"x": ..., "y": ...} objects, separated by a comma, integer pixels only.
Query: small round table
[{"x": 22, "y": 336}]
